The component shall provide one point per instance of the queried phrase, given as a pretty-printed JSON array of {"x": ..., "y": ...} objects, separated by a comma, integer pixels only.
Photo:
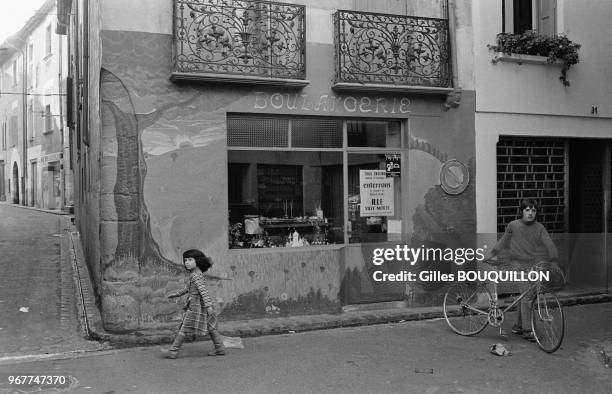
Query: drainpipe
[
  {"x": 25, "y": 126},
  {"x": 61, "y": 119},
  {"x": 85, "y": 114},
  {"x": 453, "y": 99}
]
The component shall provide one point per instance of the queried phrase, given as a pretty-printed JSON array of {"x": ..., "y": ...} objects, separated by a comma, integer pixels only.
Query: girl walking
[{"x": 199, "y": 315}]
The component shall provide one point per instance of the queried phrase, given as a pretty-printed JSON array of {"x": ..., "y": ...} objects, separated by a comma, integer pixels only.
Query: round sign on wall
[{"x": 454, "y": 177}]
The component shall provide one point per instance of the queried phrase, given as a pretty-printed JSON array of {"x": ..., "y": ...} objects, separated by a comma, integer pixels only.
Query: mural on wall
[
  {"x": 165, "y": 162},
  {"x": 164, "y": 146}
]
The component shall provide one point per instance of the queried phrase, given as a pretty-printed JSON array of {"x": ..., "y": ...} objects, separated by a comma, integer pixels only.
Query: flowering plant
[{"x": 555, "y": 48}]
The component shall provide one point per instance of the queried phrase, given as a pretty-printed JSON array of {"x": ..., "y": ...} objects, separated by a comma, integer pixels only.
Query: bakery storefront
[{"x": 315, "y": 183}]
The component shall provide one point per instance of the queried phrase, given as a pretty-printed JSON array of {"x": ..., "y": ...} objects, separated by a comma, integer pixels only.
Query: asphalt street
[
  {"x": 410, "y": 357},
  {"x": 40, "y": 336}
]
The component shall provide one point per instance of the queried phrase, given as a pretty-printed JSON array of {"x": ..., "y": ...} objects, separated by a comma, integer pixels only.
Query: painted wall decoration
[{"x": 164, "y": 189}]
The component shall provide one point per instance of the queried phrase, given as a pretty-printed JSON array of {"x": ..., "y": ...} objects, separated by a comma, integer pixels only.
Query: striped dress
[{"x": 195, "y": 318}]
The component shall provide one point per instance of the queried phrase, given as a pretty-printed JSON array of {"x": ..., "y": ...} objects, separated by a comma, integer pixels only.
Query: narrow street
[
  {"x": 410, "y": 357},
  {"x": 37, "y": 301}
]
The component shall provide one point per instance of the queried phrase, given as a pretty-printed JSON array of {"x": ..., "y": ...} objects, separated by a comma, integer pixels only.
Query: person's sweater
[{"x": 527, "y": 241}]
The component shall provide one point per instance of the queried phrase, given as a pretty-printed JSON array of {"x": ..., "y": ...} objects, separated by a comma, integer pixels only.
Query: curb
[
  {"x": 91, "y": 320},
  {"x": 51, "y": 211}
]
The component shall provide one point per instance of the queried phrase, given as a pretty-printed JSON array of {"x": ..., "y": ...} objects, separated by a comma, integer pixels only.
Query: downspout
[
  {"x": 61, "y": 119},
  {"x": 85, "y": 131},
  {"x": 24, "y": 173},
  {"x": 453, "y": 99}
]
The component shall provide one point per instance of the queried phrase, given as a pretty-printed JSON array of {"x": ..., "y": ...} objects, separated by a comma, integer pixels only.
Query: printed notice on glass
[{"x": 376, "y": 192}]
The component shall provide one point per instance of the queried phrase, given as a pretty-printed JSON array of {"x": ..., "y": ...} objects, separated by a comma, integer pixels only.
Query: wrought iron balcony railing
[
  {"x": 391, "y": 50},
  {"x": 239, "y": 40}
]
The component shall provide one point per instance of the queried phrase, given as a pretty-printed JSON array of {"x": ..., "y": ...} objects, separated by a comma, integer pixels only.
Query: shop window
[
  {"x": 292, "y": 192},
  {"x": 274, "y": 204},
  {"x": 373, "y": 134},
  {"x": 280, "y": 191},
  {"x": 374, "y": 199}
]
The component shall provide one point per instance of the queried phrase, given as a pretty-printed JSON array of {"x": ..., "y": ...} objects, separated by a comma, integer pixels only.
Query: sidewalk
[
  {"x": 37, "y": 295},
  {"x": 92, "y": 323}
]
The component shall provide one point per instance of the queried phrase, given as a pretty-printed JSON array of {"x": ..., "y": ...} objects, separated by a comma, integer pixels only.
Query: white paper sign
[
  {"x": 394, "y": 226},
  {"x": 376, "y": 192}
]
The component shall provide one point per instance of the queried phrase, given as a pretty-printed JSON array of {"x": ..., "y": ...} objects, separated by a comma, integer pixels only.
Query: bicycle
[{"x": 469, "y": 307}]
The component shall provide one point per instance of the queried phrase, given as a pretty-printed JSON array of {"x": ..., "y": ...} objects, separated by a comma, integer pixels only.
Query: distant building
[{"x": 34, "y": 148}]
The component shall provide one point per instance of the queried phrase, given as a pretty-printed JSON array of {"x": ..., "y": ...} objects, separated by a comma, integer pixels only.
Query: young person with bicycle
[{"x": 524, "y": 243}]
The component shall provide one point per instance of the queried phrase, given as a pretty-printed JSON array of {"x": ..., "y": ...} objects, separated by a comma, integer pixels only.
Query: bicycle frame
[
  {"x": 518, "y": 299},
  {"x": 476, "y": 305}
]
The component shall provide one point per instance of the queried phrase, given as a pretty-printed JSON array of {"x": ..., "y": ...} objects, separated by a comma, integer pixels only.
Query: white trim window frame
[{"x": 540, "y": 16}]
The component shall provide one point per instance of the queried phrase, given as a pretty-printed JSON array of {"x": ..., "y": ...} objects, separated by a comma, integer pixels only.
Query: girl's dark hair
[
  {"x": 526, "y": 203},
  {"x": 202, "y": 261}
]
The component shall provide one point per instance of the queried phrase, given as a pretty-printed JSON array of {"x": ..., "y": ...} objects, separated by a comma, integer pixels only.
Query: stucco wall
[{"x": 536, "y": 89}]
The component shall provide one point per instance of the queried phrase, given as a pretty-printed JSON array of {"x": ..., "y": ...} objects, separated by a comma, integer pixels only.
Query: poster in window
[
  {"x": 392, "y": 163},
  {"x": 376, "y": 192}
]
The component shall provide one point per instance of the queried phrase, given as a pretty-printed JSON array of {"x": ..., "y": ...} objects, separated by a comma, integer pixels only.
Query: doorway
[
  {"x": 587, "y": 184},
  {"x": 2, "y": 182},
  {"x": 15, "y": 184},
  {"x": 569, "y": 179},
  {"x": 33, "y": 199}
]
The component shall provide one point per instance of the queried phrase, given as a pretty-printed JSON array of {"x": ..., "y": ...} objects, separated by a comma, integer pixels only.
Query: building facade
[
  {"x": 287, "y": 141},
  {"x": 34, "y": 143},
  {"x": 551, "y": 142}
]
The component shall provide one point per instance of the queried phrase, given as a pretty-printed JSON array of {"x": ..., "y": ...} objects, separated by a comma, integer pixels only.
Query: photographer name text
[{"x": 462, "y": 276}]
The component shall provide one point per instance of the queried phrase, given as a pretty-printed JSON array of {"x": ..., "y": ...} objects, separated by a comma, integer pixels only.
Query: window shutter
[{"x": 547, "y": 14}]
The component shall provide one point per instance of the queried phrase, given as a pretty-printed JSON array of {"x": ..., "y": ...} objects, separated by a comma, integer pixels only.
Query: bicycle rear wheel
[
  {"x": 547, "y": 322},
  {"x": 466, "y": 307}
]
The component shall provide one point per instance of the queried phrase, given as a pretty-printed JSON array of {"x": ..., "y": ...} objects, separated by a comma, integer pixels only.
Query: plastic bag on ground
[
  {"x": 232, "y": 342},
  {"x": 499, "y": 350}
]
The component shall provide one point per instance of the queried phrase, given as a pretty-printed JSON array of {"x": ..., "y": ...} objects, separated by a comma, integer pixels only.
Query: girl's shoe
[
  {"x": 518, "y": 330},
  {"x": 217, "y": 352},
  {"x": 169, "y": 353}
]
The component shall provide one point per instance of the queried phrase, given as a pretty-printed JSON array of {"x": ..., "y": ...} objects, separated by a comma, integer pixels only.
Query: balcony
[
  {"x": 249, "y": 42},
  {"x": 386, "y": 53}
]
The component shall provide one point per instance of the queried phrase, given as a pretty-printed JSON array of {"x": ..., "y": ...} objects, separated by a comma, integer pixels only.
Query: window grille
[
  {"x": 536, "y": 169},
  {"x": 257, "y": 132},
  {"x": 316, "y": 133}
]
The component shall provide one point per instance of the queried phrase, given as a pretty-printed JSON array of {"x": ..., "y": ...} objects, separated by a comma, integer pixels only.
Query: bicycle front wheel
[
  {"x": 466, "y": 307},
  {"x": 547, "y": 322}
]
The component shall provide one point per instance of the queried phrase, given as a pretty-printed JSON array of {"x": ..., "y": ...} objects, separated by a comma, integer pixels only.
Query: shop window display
[{"x": 286, "y": 181}]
